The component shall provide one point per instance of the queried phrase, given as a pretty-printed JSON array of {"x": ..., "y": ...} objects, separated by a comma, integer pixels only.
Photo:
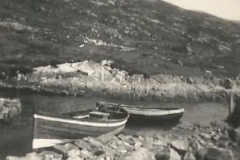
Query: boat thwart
[{"x": 52, "y": 129}]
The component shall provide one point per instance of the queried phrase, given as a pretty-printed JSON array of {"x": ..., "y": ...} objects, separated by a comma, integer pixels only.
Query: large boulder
[
  {"x": 189, "y": 156},
  {"x": 65, "y": 148},
  {"x": 237, "y": 131},
  {"x": 75, "y": 158},
  {"x": 29, "y": 156},
  {"x": 141, "y": 154},
  {"x": 163, "y": 154},
  {"x": 213, "y": 153},
  {"x": 50, "y": 155},
  {"x": 174, "y": 155},
  {"x": 180, "y": 146},
  {"x": 93, "y": 69},
  {"x": 226, "y": 83},
  {"x": 9, "y": 108}
]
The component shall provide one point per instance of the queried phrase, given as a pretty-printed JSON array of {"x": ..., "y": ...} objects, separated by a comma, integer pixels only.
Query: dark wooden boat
[
  {"x": 50, "y": 130},
  {"x": 145, "y": 114}
]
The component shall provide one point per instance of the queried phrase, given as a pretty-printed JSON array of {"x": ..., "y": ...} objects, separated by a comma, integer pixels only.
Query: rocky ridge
[{"x": 89, "y": 77}]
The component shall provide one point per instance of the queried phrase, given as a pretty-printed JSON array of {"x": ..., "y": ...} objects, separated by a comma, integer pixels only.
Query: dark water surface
[{"x": 16, "y": 137}]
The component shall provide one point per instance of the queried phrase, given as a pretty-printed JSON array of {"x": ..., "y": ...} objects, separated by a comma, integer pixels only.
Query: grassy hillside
[{"x": 141, "y": 36}]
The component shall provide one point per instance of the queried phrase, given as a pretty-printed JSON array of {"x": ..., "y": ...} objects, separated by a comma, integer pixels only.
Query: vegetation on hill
[{"x": 141, "y": 36}]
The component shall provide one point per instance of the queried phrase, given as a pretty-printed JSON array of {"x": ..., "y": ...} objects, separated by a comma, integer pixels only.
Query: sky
[{"x": 226, "y": 9}]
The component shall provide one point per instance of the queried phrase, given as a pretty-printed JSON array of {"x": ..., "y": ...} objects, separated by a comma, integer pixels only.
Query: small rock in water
[{"x": 9, "y": 108}]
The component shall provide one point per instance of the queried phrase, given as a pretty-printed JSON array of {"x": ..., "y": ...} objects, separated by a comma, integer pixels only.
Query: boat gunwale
[
  {"x": 66, "y": 116},
  {"x": 137, "y": 107},
  {"x": 154, "y": 112}
]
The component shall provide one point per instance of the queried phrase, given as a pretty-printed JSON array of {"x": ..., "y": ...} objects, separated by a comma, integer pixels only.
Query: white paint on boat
[
  {"x": 41, "y": 143},
  {"x": 153, "y": 112},
  {"x": 81, "y": 117},
  {"x": 79, "y": 122}
]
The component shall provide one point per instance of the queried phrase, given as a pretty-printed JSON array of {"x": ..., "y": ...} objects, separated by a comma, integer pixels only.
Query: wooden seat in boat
[
  {"x": 80, "y": 116},
  {"x": 98, "y": 114}
]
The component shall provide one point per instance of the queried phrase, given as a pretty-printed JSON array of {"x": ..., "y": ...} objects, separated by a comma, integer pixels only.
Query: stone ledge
[{"x": 91, "y": 78}]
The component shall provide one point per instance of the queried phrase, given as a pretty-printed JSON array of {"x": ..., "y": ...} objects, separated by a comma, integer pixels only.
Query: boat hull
[
  {"x": 142, "y": 114},
  {"x": 49, "y": 130},
  {"x": 170, "y": 118}
]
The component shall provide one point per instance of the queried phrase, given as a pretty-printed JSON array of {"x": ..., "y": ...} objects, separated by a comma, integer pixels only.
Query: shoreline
[
  {"x": 183, "y": 140},
  {"x": 89, "y": 78}
]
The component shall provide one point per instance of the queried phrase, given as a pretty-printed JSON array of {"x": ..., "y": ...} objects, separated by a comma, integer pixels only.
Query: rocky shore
[
  {"x": 9, "y": 108},
  {"x": 185, "y": 142},
  {"x": 89, "y": 77},
  {"x": 152, "y": 43}
]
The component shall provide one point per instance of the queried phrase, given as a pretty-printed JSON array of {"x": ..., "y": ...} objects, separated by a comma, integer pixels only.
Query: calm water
[{"x": 15, "y": 137}]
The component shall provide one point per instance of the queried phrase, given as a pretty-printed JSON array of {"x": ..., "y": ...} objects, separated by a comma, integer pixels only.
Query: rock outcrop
[
  {"x": 215, "y": 154},
  {"x": 89, "y": 77},
  {"x": 9, "y": 108},
  {"x": 162, "y": 146}
]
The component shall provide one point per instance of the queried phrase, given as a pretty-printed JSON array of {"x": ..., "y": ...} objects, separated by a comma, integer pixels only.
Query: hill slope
[{"x": 141, "y": 36}]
